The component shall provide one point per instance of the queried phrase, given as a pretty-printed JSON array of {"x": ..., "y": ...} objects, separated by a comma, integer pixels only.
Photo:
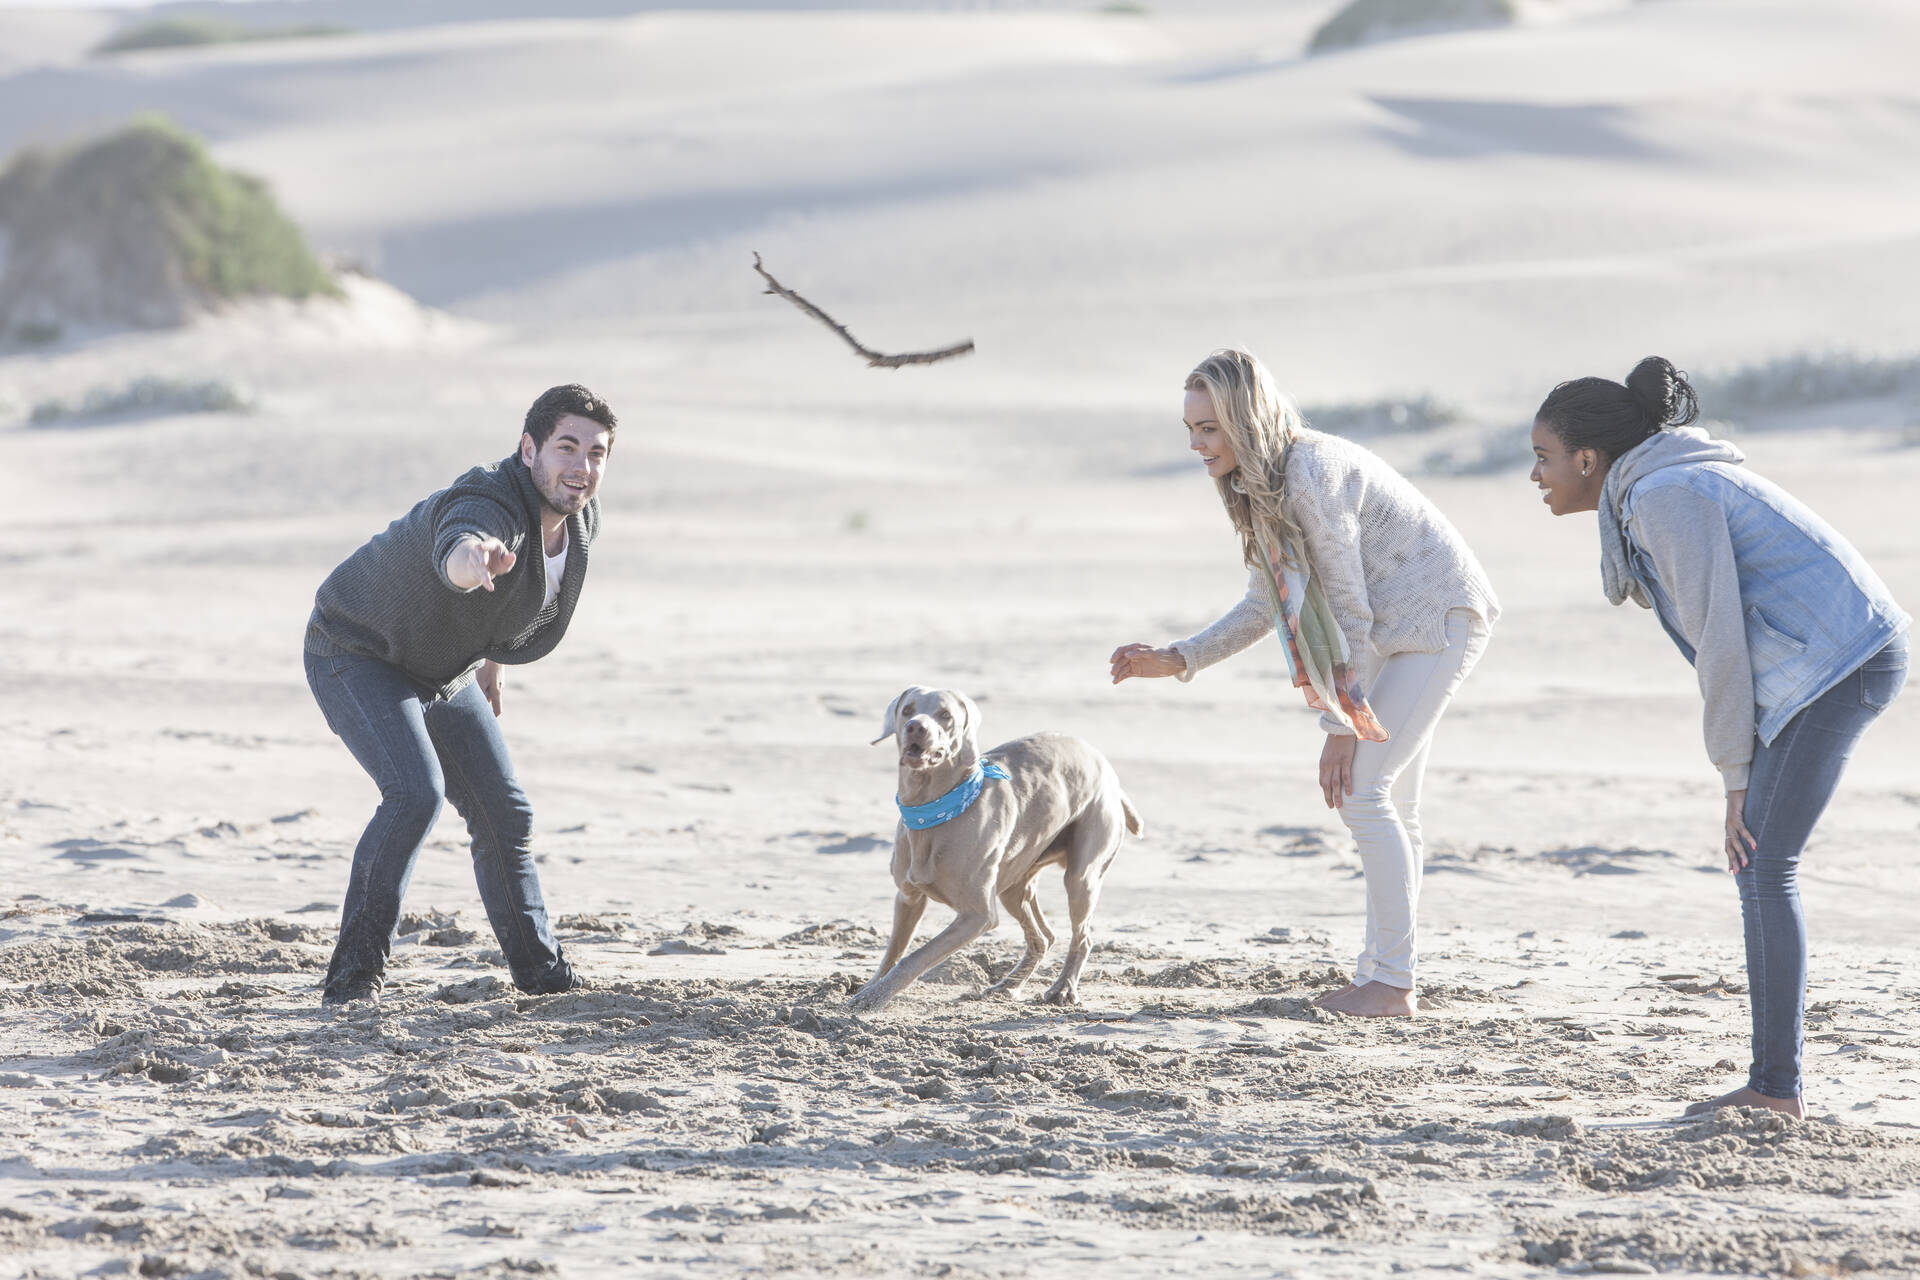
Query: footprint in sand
[
  {"x": 853, "y": 844},
  {"x": 85, "y": 849},
  {"x": 684, "y": 947},
  {"x": 1594, "y": 860}
]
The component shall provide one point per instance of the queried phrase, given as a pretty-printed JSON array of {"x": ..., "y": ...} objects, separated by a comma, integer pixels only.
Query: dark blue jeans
[
  {"x": 1787, "y": 791},
  {"x": 420, "y": 749}
]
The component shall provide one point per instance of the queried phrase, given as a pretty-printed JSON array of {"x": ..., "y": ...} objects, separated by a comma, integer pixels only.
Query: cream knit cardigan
[{"x": 1392, "y": 566}]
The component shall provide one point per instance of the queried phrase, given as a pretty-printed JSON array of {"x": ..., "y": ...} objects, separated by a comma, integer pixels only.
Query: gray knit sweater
[{"x": 391, "y": 599}]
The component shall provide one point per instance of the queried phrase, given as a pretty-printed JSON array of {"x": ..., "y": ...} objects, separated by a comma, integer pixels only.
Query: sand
[{"x": 791, "y": 538}]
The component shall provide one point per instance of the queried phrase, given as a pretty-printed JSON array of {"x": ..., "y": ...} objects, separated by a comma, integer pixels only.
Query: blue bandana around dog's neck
[{"x": 954, "y": 803}]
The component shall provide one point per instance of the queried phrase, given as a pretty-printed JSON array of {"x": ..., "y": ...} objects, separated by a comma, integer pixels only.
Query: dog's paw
[
  {"x": 1065, "y": 997},
  {"x": 867, "y": 999},
  {"x": 1002, "y": 991}
]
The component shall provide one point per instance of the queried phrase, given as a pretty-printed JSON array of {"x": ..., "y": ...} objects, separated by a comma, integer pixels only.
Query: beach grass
[
  {"x": 1365, "y": 21},
  {"x": 191, "y": 31}
]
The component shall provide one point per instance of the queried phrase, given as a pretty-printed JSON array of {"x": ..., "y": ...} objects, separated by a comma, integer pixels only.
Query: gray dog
[{"x": 975, "y": 831}]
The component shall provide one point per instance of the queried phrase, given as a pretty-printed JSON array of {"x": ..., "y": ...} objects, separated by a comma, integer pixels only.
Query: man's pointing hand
[{"x": 476, "y": 562}]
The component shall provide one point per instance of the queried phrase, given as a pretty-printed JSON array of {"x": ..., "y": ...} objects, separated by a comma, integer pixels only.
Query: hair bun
[{"x": 1664, "y": 393}]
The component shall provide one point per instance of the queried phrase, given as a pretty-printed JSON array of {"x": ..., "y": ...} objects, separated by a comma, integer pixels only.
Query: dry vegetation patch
[{"x": 1367, "y": 21}]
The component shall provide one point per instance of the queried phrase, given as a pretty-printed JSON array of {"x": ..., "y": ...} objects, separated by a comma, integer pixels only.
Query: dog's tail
[{"x": 1133, "y": 818}]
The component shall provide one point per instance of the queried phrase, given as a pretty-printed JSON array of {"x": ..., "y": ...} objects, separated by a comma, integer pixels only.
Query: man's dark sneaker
[
  {"x": 366, "y": 989},
  {"x": 571, "y": 980}
]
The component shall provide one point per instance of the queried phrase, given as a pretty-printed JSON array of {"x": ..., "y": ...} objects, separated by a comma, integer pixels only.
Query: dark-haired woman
[{"x": 1797, "y": 643}]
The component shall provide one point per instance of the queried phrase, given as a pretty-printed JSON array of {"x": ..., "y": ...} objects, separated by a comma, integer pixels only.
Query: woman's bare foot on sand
[
  {"x": 1321, "y": 1000},
  {"x": 1372, "y": 1000},
  {"x": 1744, "y": 1097}
]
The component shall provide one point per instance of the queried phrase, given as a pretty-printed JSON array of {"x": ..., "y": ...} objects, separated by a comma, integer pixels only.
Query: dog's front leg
[
  {"x": 973, "y": 921},
  {"x": 907, "y": 910},
  {"x": 919, "y": 857}
]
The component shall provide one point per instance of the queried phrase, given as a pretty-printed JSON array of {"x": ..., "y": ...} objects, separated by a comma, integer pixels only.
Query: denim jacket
[{"x": 1771, "y": 605}]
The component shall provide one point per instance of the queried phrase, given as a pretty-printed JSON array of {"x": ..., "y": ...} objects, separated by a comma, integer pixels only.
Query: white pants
[{"x": 1408, "y": 695}]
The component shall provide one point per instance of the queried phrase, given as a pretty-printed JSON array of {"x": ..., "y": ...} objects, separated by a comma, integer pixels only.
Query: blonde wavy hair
[{"x": 1261, "y": 424}]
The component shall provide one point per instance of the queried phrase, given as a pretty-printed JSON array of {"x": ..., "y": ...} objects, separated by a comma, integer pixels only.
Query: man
[{"x": 403, "y": 653}]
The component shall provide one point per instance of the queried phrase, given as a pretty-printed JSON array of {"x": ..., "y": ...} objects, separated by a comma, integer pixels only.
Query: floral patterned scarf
[{"x": 1316, "y": 649}]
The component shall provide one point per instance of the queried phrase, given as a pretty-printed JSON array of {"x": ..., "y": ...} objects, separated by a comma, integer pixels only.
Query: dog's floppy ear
[
  {"x": 969, "y": 721},
  {"x": 892, "y": 720}
]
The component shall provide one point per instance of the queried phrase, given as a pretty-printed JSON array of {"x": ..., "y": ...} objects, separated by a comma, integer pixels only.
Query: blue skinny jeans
[
  {"x": 420, "y": 749},
  {"x": 1787, "y": 791}
]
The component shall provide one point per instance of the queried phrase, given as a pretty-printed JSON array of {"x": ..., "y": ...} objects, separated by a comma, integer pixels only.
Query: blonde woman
[{"x": 1383, "y": 609}]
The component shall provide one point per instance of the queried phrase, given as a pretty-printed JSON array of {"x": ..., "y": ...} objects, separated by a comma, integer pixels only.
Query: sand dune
[{"x": 1040, "y": 176}]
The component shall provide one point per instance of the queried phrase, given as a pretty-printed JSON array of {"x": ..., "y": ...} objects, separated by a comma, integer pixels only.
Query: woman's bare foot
[
  {"x": 1745, "y": 1097},
  {"x": 1372, "y": 1000},
  {"x": 1321, "y": 1000}
]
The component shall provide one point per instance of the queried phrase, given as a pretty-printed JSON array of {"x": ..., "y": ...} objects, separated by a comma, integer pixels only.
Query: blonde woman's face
[{"x": 1206, "y": 437}]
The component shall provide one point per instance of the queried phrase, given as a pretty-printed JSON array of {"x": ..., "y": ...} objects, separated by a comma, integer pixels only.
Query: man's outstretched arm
[{"x": 476, "y": 560}]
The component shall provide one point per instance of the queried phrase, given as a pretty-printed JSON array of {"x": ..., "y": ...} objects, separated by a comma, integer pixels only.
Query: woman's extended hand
[
  {"x": 1336, "y": 768},
  {"x": 1740, "y": 842},
  {"x": 1145, "y": 660}
]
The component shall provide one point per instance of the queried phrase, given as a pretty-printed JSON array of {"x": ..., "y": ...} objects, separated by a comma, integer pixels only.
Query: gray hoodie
[
  {"x": 391, "y": 599},
  {"x": 1771, "y": 605}
]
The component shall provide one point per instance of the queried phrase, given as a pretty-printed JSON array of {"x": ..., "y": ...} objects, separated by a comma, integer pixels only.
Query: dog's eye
[{"x": 945, "y": 718}]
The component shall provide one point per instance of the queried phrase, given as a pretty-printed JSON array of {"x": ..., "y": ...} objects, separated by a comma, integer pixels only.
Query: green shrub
[
  {"x": 142, "y": 227},
  {"x": 180, "y": 33},
  {"x": 1364, "y": 21}
]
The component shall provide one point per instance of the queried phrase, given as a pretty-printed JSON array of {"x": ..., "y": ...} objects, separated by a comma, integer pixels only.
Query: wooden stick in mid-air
[{"x": 873, "y": 358}]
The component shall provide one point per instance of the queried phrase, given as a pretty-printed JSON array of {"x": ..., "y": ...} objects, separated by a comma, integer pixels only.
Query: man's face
[{"x": 566, "y": 469}]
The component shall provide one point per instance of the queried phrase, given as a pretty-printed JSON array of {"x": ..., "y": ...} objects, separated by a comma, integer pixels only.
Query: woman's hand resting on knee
[
  {"x": 1336, "y": 768},
  {"x": 1147, "y": 661}
]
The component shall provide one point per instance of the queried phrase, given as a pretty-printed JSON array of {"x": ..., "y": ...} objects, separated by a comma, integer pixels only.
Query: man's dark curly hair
[{"x": 556, "y": 402}]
